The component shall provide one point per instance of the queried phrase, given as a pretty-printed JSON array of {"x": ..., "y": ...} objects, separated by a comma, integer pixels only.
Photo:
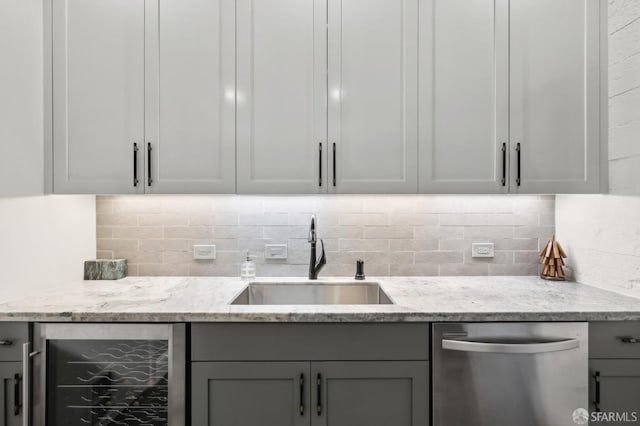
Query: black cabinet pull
[
  {"x": 135, "y": 164},
  {"x": 319, "y": 391},
  {"x": 596, "y": 403},
  {"x": 320, "y": 164},
  {"x": 630, "y": 340},
  {"x": 302, "y": 394},
  {"x": 16, "y": 394},
  {"x": 334, "y": 164},
  {"x": 504, "y": 164},
  {"x": 518, "y": 150},
  {"x": 149, "y": 181},
  {"x": 6, "y": 342}
]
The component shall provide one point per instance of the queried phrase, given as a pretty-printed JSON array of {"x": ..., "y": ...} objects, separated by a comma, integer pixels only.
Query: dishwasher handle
[{"x": 510, "y": 348}]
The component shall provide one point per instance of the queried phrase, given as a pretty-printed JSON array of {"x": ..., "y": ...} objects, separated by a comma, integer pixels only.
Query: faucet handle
[
  {"x": 312, "y": 229},
  {"x": 323, "y": 257}
]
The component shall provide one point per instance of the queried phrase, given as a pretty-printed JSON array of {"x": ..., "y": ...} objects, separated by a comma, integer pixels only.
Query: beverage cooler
[{"x": 109, "y": 374}]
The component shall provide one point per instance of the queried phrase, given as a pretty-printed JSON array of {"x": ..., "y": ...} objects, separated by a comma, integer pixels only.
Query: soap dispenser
[{"x": 248, "y": 268}]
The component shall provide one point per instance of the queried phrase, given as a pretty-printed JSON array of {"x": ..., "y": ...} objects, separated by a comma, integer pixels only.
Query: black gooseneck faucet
[{"x": 315, "y": 265}]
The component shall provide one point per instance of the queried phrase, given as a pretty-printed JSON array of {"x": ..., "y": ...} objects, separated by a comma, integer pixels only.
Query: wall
[
  {"x": 43, "y": 239},
  {"x": 395, "y": 235},
  {"x": 601, "y": 233}
]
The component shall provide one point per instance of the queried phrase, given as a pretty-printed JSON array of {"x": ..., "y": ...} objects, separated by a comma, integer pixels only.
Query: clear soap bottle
[{"x": 248, "y": 268}]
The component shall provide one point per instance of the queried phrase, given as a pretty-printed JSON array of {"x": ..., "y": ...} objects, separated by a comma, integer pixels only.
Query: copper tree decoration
[{"x": 552, "y": 255}]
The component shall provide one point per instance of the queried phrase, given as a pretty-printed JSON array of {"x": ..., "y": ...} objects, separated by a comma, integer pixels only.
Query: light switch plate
[
  {"x": 482, "y": 250},
  {"x": 275, "y": 251},
  {"x": 204, "y": 251}
]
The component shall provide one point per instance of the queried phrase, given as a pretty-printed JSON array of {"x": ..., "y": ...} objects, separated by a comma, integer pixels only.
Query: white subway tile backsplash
[
  {"x": 395, "y": 235},
  {"x": 465, "y": 269},
  {"x": 423, "y": 269},
  {"x": 438, "y": 257}
]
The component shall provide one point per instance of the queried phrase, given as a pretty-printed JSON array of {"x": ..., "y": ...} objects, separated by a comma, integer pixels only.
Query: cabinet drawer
[
  {"x": 606, "y": 339},
  {"x": 309, "y": 342},
  {"x": 16, "y": 333}
]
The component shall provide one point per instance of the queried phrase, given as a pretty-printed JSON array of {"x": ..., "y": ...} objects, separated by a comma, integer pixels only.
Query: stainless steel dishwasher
[{"x": 506, "y": 374}]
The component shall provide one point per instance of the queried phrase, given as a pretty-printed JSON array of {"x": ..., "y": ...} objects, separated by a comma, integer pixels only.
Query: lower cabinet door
[
  {"x": 11, "y": 394},
  {"x": 356, "y": 393},
  {"x": 614, "y": 391},
  {"x": 250, "y": 394}
]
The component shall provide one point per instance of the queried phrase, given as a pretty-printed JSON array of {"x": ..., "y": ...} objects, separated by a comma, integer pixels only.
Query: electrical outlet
[
  {"x": 275, "y": 251},
  {"x": 204, "y": 251},
  {"x": 482, "y": 250}
]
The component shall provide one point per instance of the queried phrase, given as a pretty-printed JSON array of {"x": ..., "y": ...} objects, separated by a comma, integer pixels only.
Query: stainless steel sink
[{"x": 333, "y": 293}]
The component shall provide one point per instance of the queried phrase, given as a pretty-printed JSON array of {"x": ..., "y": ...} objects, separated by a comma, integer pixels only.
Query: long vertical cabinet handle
[
  {"x": 16, "y": 394},
  {"x": 302, "y": 394},
  {"x": 319, "y": 394},
  {"x": 135, "y": 164},
  {"x": 320, "y": 164},
  {"x": 518, "y": 151},
  {"x": 149, "y": 149},
  {"x": 504, "y": 164},
  {"x": 334, "y": 164},
  {"x": 596, "y": 402}
]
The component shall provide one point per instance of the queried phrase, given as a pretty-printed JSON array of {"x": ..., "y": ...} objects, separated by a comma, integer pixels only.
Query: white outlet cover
[
  {"x": 275, "y": 251},
  {"x": 482, "y": 250},
  {"x": 204, "y": 251}
]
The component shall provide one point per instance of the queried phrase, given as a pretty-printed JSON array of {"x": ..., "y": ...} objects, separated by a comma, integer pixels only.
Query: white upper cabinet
[
  {"x": 281, "y": 95},
  {"x": 327, "y": 96},
  {"x": 98, "y": 104},
  {"x": 144, "y": 96},
  {"x": 190, "y": 108},
  {"x": 464, "y": 96},
  {"x": 555, "y": 96},
  {"x": 372, "y": 99}
]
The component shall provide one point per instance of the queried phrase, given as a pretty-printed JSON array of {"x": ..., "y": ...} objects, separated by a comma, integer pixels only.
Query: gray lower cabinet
[
  {"x": 614, "y": 370},
  {"x": 12, "y": 337},
  {"x": 616, "y": 389},
  {"x": 370, "y": 393},
  {"x": 250, "y": 393},
  {"x": 295, "y": 374},
  {"x": 344, "y": 393},
  {"x": 10, "y": 393}
]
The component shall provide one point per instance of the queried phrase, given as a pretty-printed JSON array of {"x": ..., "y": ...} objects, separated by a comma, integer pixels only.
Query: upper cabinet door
[
  {"x": 281, "y": 96},
  {"x": 464, "y": 96},
  {"x": 98, "y": 103},
  {"x": 373, "y": 102},
  {"x": 190, "y": 114},
  {"x": 555, "y": 102}
]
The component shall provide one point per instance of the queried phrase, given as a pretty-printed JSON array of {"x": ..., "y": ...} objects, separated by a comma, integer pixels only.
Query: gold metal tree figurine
[{"x": 552, "y": 258}]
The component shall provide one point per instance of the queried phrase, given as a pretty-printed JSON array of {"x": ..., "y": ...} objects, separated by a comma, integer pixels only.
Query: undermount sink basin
[{"x": 333, "y": 293}]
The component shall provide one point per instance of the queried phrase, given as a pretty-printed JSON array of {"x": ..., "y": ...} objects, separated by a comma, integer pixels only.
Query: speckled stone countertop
[{"x": 190, "y": 299}]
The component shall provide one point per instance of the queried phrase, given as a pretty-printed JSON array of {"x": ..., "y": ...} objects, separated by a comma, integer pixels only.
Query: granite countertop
[{"x": 191, "y": 299}]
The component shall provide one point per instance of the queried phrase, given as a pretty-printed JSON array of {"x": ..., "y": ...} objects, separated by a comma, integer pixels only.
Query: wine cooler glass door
[{"x": 109, "y": 381}]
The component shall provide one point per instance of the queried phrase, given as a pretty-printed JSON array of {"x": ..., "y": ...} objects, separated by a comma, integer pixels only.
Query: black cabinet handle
[
  {"x": 16, "y": 394},
  {"x": 596, "y": 403},
  {"x": 302, "y": 394},
  {"x": 320, "y": 164},
  {"x": 6, "y": 342},
  {"x": 319, "y": 396},
  {"x": 518, "y": 150},
  {"x": 334, "y": 164},
  {"x": 149, "y": 181},
  {"x": 135, "y": 164},
  {"x": 504, "y": 164},
  {"x": 630, "y": 340}
]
